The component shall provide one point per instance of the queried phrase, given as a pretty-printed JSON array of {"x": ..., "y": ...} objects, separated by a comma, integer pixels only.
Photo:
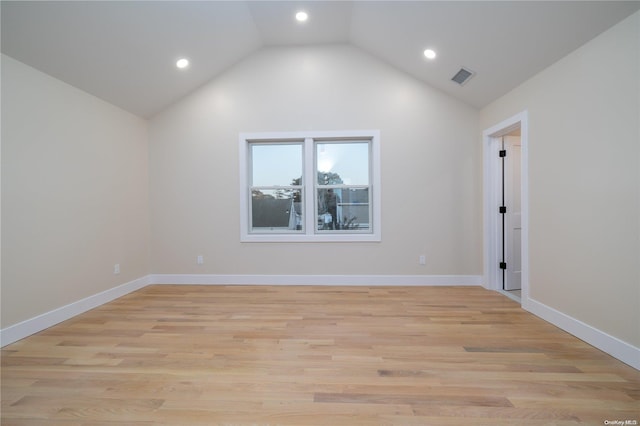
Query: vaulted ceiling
[{"x": 125, "y": 51}]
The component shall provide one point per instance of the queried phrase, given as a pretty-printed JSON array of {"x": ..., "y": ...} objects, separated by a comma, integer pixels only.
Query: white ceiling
[{"x": 125, "y": 51}]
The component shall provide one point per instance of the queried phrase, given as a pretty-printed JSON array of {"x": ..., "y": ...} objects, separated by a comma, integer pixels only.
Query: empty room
[{"x": 320, "y": 213}]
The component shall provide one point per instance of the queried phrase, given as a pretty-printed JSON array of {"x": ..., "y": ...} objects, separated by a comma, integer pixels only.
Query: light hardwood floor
[{"x": 257, "y": 355}]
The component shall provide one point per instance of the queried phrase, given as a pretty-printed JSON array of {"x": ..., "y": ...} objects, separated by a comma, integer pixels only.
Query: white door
[{"x": 513, "y": 225}]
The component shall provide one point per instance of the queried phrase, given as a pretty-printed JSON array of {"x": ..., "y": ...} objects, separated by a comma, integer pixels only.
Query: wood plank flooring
[{"x": 261, "y": 355}]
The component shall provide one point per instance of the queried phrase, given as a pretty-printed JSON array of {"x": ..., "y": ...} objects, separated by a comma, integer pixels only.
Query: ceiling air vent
[{"x": 462, "y": 76}]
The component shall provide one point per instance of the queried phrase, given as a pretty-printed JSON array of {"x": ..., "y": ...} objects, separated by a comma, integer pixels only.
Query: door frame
[{"x": 492, "y": 187}]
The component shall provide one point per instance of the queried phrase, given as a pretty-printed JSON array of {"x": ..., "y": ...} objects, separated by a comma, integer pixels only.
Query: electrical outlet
[
  {"x": 199, "y": 260},
  {"x": 422, "y": 259},
  {"x": 116, "y": 269}
]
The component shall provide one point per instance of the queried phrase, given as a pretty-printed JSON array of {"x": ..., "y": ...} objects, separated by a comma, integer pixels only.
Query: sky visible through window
[
  {"x": 280, "y": 164},
  {"x": 276, "y": 165}
]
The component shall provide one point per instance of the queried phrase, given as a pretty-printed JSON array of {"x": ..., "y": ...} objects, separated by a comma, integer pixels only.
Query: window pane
[
  {"x": 276, "y": 209},
  {"x": 343, "y": 163},
  {"x": 343, "y": 209},
  {"x": 276, "y": 164}
]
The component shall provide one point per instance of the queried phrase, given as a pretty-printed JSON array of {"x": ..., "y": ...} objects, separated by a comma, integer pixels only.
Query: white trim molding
[
  {"x": 309, "y": 187},
  {"x": 492, "y": 181},
  {"x": 34, "y": 325},
  {"x": 39, "y": 323},
  {"x": 615, "y": 347},
  {"x": 347, "y": 280}
]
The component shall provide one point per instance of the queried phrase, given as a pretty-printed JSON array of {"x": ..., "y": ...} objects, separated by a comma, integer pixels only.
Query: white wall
[
  {"x": 584, "y": 181},
  {"x": 74, "y": 194},
  {"x": 431, "y": 167}
]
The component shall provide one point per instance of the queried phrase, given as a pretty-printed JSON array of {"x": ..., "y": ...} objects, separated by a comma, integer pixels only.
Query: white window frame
[{"x": 309, "y": 187}]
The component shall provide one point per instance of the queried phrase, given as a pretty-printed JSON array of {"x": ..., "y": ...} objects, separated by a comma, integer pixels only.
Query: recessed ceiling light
[
  {"x": 430, "y": 54},
  {"x": 302, "y": 16},
  {"x": 182, "y": 63}
]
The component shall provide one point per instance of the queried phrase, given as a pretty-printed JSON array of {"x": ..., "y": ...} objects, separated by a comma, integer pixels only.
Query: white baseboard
[
  {"x": 350, "y": 280},
  {"x": 615, "y": 347},
  {"x": 41, "y": 322}
]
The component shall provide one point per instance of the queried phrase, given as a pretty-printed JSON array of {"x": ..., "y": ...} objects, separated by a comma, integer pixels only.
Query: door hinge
[
  {"x": 503, "y": 209},
  {"x": 502, "y": 153},
  {"x": 503, "y": 265}
]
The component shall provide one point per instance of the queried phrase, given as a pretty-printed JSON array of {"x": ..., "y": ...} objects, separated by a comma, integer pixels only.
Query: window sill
[{"x": 301, "y": 238}]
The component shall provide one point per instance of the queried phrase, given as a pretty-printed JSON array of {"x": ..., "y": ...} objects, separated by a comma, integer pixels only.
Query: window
[{"x": 316, "y": 186}]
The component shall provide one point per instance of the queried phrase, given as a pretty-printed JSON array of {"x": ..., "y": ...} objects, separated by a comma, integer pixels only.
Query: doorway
[
  {"x": 506, "y": 208},
  {"x": 511, "y": 213}
]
